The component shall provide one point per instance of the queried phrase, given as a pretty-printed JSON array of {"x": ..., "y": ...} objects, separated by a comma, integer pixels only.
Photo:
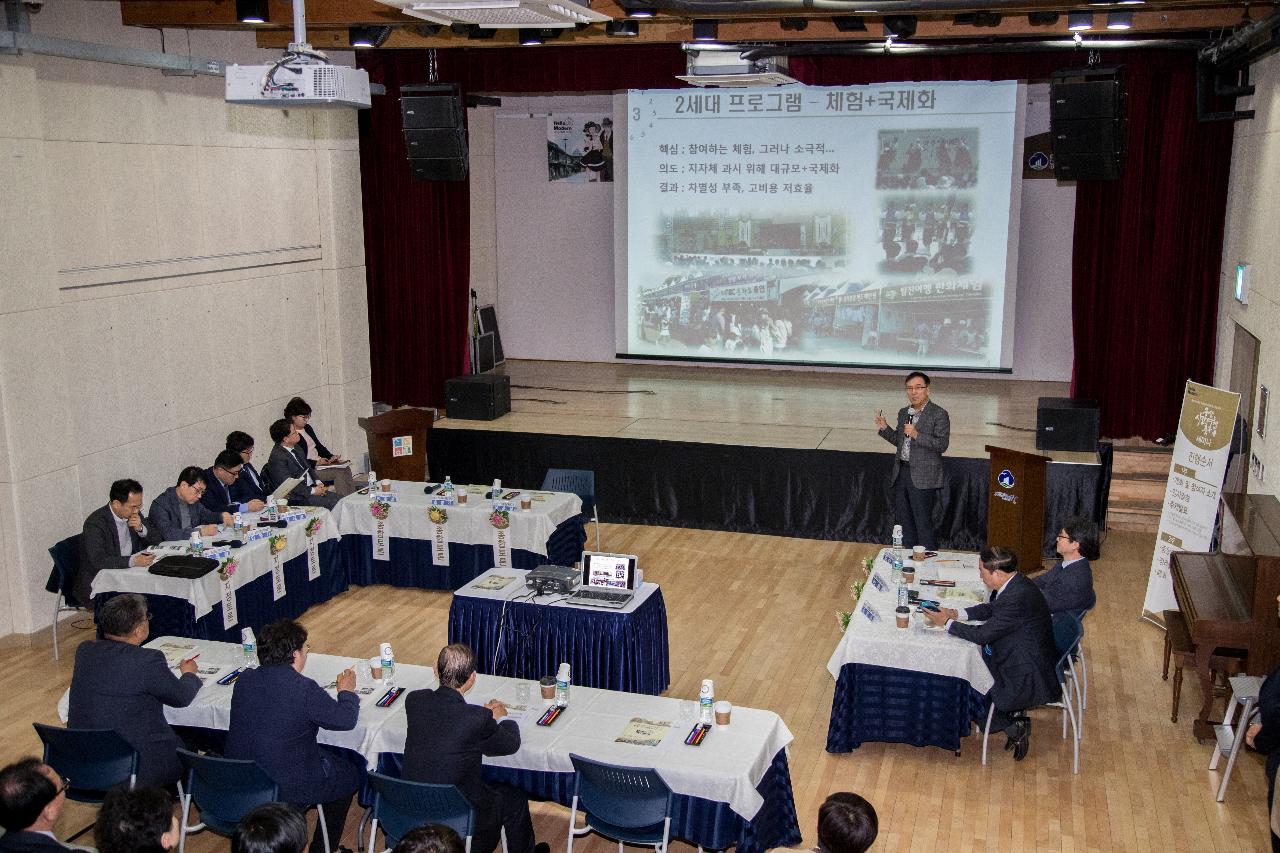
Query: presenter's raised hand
[{"x": 881, "y": 423}]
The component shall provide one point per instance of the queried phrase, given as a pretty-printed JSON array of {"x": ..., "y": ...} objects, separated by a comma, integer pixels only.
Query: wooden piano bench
[{"x": 1178, "y": 646}]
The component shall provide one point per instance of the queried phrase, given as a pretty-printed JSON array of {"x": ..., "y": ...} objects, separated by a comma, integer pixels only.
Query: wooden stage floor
[{"x": 759, "y": 408}]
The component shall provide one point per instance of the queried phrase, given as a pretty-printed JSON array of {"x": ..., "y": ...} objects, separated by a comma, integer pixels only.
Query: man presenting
[
  {"x": 114, "y": 537},
  {"x": 1017, "y": 644},
  {"x": 921, "y": 437}
]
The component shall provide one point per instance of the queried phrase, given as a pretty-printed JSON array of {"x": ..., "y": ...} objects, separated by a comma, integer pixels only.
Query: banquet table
[
  {"x": 733, "y": 789},
  {"x": 428, "y": 547},
  {"x": 514, "y": 633},
  {"x": 310, "y": 572},
  {"x": 917, "y": 685}
]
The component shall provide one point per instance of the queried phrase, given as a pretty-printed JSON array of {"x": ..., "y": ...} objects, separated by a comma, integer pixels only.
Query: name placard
[
  {"x": 505, "y": 506},
  {"x": 294, "y": 515},
  {"x": 259, "y": 533},
  {"x": 878, "y": 583},
  {"x": 870, "y": 612},
  {"x": 385, "y": 497},
  {"x": 216, "y": 553},
  {"x": 443, "y": 502}
]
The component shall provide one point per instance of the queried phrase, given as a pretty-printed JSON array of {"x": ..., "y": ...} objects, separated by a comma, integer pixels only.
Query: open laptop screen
[{"x": 608, "y": 571}]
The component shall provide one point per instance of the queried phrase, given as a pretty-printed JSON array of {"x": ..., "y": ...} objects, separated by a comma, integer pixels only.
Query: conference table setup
[
  {"x": 515, "y": 633},
  {"x": 734, "y": 788},
  {"x": 276, "y": 573},
  {"x": 410, "y": 536},
  {"x": 919, "y": 684}
]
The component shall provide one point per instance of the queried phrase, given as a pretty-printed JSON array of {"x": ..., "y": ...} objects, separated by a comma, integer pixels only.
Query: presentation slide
[{"x": 864, "y": 225}]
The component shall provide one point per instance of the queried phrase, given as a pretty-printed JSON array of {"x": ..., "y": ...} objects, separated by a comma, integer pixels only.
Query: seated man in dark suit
[
  {"x": 31, "y": 799},
  {"x": 114, "y": 537},
  {"x": 178, "y": 511},
  {"x": 276, "y": 712},
  {"x": 219, "y": 480},
  {"x": 1017, "y": 641},
  {"x": 445, "y": 741},
  {"x": 1068, "y": 586},
  {"x": 250, "y": 485},
  {"x": 284, "y": 463},
  {"x": 117, "y": 684}
]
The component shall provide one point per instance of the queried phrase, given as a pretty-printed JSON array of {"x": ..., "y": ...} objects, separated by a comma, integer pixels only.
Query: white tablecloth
[
  {"x": 516, "y": 589},
  {"x": 727, "y": 767},
  {"x": 254, "y": 561},
  {"x": 467, "y": 525},
  {"x": 917, "y": 648}
]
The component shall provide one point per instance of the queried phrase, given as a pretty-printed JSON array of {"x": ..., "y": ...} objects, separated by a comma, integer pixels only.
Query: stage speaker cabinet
[
  {"x": 1066, "y": 424},
  {"x": 481, "y": 397},
  {"x": 435, "y": 137},
  {"x": 1087, "y": 120}
]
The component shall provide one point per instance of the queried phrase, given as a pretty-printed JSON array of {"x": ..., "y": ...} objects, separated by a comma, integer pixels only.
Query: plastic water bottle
[
  {"x": 706, "y": 702},
  {"x": 249, "y": 643},
  {"x": 195, "y": 546},
  {"x": 562, "y": 685},
  {"x": 897, "y": 541},
  {"x": 497, "y": 489},
  {"x": 373, "y": 479},
  {"x": 388, "y": 666},
  {"x": 449, "y": 491},
  {"x": 237, "y": 522},
  {"x": 904, "y": 599}
]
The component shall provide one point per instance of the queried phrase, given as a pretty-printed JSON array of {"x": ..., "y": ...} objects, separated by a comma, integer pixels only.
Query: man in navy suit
[
  {"x": 1017, "y": 644},
  {"x": 117, "y": 684},
  {"x": 114, "y": 537},
  {"x": 249, "y": 486},
  {"x": 1068, "y": 586},
  {"x": 218, "y": 481},
  {"x": 178, "y": 510},
  {"x": 921, "y": 436},
  {"x": 276, "y": 712},
  {"x": 445, "y": 741},
  {"x": 31, "y": 799}
]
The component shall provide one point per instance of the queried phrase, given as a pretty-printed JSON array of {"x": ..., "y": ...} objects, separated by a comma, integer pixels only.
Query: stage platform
[{"x": 787, "y": 453}]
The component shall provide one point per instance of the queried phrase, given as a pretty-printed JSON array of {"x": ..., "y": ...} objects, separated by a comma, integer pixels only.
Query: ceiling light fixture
[
  {"x": 368, "y": 36},
  {"x": 705, "y": 30},
  {"x": 1043, "y": 19},
  {"x": 252, "y": 11},
  {"x": 638, "y": 12},
  {"x": 622, "y": 29},
  {"x": 849, "y": 24},
  {"x": 1079, "y": 21},
  {"x": 900, "y": 26},
  {"x": 530, "y": 37},
  {"x": 1119, "y": 20}
]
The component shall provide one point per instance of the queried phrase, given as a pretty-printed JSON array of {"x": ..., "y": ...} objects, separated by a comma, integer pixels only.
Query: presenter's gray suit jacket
[
  {"x": 100, "y": 548},
  {"x": 119, "y": 686},
  {"x": 934, "y": 425},
  {"x": 166, "y": 515}
]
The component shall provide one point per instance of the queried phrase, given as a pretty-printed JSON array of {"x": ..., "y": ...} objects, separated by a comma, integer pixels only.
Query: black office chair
[
  {"x": 581, "y": 483},
  {"x": 62, "y": 582},
  {"x": 92, "y": 761}
]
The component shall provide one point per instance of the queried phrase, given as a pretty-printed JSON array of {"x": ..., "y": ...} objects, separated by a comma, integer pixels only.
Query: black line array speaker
[
  {"x": 1087, "y": 121},
  {"x": 435, "y": 138},
  {"x": 479, "y": 397},
  {"x": 1066, "y": 424}
]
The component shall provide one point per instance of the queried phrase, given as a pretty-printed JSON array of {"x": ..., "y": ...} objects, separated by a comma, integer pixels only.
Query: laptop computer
[{"x": 608, "y": 580}]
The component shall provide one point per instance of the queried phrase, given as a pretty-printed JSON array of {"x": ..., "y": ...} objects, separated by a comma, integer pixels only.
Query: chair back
[
  {"x": 226, "y": 789},
  {"x": 1067, "y": 633},
  {"x": 628, "y": 797},
  {"x": 400, "y": 805},
  {"x": 581, "y": 483},
  {"x": 66, "y": 565},
  {"x": 93, "y": 760}
]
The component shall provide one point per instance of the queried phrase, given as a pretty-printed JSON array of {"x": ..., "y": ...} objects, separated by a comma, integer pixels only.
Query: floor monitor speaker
[{"x": 1066, "y": 424}]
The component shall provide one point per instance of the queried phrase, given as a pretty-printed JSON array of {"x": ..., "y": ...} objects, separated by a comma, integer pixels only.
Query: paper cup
[
  {"x": 723, "y": 712},
  {"x": 909, "y": 573},
  {"x": 385, "y": 485},
  {"x": 548, "y": 687},
  {"x": 375, "y": 669},
  {"x": 903, "y": 615},
  {"x": 282, "y": 505},
  {"x": 526, "y": 503},
  {"x": 461, "y": 496},
  {"x": 917, "y": 553}
]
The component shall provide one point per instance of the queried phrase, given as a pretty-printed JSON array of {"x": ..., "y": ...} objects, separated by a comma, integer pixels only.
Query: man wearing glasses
[
  {"x": 117, "y": 684},
  {"x": 31, "y": 800},
  {"x": 921, "y": 436},
  {"x": 178, "y": 511},
  {"x": 1068, "y": 586},
  {"x": 219, "y": 482}
]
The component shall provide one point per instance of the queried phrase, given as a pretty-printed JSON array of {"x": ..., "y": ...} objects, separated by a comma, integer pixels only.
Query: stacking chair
[
  {"x": 1228, "y": 734},
  {"x": 1084, "y": 670},
  {"x": 628, "y": 804},
  {"x": 581, "y": 483},
  {"x": 402, "y": 805},
  {"x": 225, "y": 790},
  {"x": 93, "y": 761},
  {"x": 62, "y": 580}
]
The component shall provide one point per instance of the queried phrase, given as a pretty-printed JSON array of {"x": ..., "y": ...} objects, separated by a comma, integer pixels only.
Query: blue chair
[
  {"x": 402, "y": 805},
  {"x": 630, "y": 805},
  {"x": 581, "y": 483},
  {"x": 92, "y": 761},
  {"x": 62, "y": 581},
  {"x": 225, "y": 790}
]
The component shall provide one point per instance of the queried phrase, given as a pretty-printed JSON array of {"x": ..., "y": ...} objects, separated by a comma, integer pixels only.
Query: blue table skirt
[
  {"x": 412, "y": 564},
  {"x": 171, "y": 616},
  {"x": 708, "y": 823},
  {"x": 604, "y": 648},
  {"x": 877, "y": 703}
]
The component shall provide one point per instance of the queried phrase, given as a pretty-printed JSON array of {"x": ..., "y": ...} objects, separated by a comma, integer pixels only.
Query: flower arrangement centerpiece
[
  {"x": 380, "y": 510},
  {"x": 227, "y": 568},
  {"x": 865, "y": 566},
  {"x": 500, "y": 519},
  {"x": 437, "y": 515},
  {"x": 278, "y": 543},
  {"x": 313, "y": 525}
]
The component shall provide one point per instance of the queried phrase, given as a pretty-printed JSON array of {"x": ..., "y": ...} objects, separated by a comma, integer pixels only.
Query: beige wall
[
  {"x": 1251, "y": 238},
  {"x": 171, "y": 268}
]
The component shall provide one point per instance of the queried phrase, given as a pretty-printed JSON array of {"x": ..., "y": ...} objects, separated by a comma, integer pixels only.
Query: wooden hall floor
[{"x": 1142, "y": 786}]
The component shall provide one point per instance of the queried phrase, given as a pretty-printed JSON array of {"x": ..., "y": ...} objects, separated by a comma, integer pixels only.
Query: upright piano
[{"x": 1228, "y": 597}]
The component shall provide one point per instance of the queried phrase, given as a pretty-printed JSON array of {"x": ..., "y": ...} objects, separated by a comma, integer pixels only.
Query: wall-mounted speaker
[
  {"x": 1088, "y": 124},
  {"x": 435, "y": 137}
]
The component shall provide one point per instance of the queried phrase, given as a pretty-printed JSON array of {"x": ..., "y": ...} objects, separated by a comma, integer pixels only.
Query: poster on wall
[{"x": 579, "y": 148}]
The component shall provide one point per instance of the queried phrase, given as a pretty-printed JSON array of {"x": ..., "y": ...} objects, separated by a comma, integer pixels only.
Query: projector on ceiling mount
[
  {"x": 292, "y": 82},
  {"x": 500, "y": 14},
  {"x": 724, "y": 66}
]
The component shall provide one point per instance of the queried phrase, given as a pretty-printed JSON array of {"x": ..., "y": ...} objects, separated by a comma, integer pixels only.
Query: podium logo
[{"x": 1005, "y": 479}]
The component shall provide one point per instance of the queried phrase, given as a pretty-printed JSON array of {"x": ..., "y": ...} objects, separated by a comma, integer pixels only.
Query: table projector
[{"x": 545, "y": 579}]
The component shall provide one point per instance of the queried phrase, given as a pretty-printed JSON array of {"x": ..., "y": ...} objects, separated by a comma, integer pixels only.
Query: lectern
[
  {"x": 398, "y": 443},
  {"x": 1015, "y": 504}
]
